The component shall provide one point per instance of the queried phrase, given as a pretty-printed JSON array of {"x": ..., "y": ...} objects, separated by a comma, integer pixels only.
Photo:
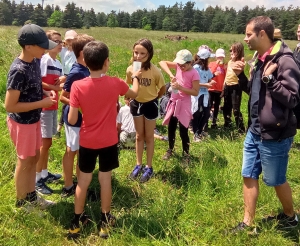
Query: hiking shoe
[
  {"x": 197, "y": 138},
  {"x": 106, "y": 226},
  {"x": 168, "y": 154},
  {"x": 284, "y": 221},
  {"x": 242, "y": 227},
  {"x": 51, "y": 177},
  {"x": 136, "y": 172},
  {"x": 74, "y": 230},
  {"x": 147, "y": 174},
  {"x": 68, "y": 192},
  {"x": 42, "y": 188}
]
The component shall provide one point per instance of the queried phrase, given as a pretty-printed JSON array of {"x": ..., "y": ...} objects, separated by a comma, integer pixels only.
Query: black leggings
[
  {"x": 232, "y": 101},
  {"x": 200, "y": 117},
  {"x": 183, "y": 131},
  {"x": 215, "y": 100}
]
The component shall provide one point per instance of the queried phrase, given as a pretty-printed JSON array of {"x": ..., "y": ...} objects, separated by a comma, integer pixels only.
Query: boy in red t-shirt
[
  {"x": 96, "y": 98},
  {"x": 218, "y": 69}
]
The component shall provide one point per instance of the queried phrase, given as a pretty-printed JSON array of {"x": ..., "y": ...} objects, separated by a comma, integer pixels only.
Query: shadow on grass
[{"x": 230, "y": 133}]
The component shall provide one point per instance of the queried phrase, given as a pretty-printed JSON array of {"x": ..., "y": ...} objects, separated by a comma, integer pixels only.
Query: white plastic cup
[{"x": 136, "y": 66}]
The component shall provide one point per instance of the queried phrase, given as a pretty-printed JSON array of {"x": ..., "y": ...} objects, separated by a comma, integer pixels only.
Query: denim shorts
[{"x": 269, "y": 157}]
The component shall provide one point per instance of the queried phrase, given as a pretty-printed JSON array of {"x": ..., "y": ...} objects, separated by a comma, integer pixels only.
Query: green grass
[{"x": 193, "y": 206}]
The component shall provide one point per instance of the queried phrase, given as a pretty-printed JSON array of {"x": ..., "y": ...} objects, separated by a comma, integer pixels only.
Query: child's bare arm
[
  {"x": 132, "y": 93},
  {"x": 73, "y": 115},
  {"x": 166, "y": 65},
  {"x": 65, "y": 97},
  {"x": 12, "y": 104},
  {"x": 161, "y": 91},
  {"x": 51, "y": 87},
  {"x": 119, "y": 127}
]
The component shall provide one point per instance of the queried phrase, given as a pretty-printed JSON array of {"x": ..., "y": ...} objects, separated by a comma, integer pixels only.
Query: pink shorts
[{"x": 27, "y": 138}]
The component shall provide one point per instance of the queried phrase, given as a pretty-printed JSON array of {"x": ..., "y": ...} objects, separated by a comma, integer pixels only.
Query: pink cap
[{"x": 71, "y": 34}]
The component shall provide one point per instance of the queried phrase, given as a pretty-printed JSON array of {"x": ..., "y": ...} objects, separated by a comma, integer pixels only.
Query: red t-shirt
[
  {"x": 97, "y": 97},
  {"x": 214, "y": 66}
]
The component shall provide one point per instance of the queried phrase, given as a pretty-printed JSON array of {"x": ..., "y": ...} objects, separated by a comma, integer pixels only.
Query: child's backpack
[{"x": 296, "y": 110}]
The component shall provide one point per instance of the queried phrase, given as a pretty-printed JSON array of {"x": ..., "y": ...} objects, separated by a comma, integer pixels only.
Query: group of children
[{"x": 82, "y": 81}]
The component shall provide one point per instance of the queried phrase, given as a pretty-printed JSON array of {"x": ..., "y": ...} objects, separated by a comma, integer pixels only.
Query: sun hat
[
  {"x": 220, "y": 53},
  {"x": 31, "y": 34},
  {"x": 183, "y": 56},
  {"x": 71, "y": 34}
]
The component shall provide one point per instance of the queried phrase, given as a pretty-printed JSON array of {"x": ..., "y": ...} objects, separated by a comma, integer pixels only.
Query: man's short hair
[
  {"x": 263, "y": 23},
  {"x": 50, "y": 34},
  {"x": 79, "y": 42},
  {"x": 95, "y": 53}
]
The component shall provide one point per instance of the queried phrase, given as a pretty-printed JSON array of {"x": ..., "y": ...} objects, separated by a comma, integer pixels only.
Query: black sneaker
[
  {"x": 52, "y": 177},
  {"x": 242, "y": 227},
  {"x": 42, "y": 188},
  {"x": 74, "y": 230},
  {"x": 106, "y": 226},
  {"x": 284, "y": 221},
  {"x": 68, "y": 192}
]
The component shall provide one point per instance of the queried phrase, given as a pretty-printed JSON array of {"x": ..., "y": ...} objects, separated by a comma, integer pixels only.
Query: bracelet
[{"x": 135, "y": 77}]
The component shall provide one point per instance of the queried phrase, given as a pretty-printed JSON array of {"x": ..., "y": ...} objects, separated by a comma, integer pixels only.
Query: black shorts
[
  {"x": 148, "y": 109},
  {"x": 108, "y": 159}
]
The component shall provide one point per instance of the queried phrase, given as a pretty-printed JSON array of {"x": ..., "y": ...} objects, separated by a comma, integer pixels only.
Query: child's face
[
  {"x": 232, "y": 54},
  {"x": 35, "y": 51},
  {"x": 140, "y": 53},
  {"x": 69, "y": 42},
  {"x": 185, "y": 67},
  {"x": 220, "y": 58},
  {"x": 57, "y": 39}
]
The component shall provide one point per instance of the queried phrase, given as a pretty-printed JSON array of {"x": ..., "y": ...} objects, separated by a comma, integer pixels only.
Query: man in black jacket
[{"x": 273, "y": 90}]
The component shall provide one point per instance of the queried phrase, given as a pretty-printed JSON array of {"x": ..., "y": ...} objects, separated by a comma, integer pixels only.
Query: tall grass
[{"x": 179, "y": 206}]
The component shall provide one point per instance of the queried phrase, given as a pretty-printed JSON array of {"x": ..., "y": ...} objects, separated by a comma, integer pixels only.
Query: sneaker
[
  {"x": 157, "y": 132},
  {"x": 74, "y": 230},
  {"x": 197, "y": 138},
  {"x": 51, "y": 177},
  {"x": 42, "y": 203},
  {"x": 284, "y": 221},
  {"x": 68, "y": 192},
  {"x": 242, "y": 227},
  {"x": 147, "y": 174},
  {"x": 168, "y": 154},
  {"x": 106, "y": 226},
  {"x": 136, "y": 172},
  {"x": 42, "y": 188}
]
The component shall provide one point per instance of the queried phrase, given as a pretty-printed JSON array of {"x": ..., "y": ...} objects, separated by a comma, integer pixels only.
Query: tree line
[{"x": 179, "y": 17}]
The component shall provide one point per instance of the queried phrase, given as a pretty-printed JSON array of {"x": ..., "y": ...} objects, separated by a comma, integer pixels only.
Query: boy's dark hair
[
  {"x": 263, "y": 23},
  {"x": 50, "y": 34},
  {"x": 95, "y": 53},
  {"x": 201, "y": 62},
  {"x": 79, "y": 42},
  {"x": 146, "y": 43},
  {"x": 238, "y": 50}
]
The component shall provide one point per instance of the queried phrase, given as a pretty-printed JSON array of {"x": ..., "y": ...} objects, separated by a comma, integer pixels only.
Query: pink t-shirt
[
  {"x": 185, "y": 79},
  {"x": 97, "y": 97}
]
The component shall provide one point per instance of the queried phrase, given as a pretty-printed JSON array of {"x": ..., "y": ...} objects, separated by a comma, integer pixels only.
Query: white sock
[
  {"x": 44, "y": 173},
  {"x": 38, "y": 176}
]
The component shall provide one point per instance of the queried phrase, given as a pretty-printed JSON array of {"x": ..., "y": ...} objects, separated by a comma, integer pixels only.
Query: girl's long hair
[
  {"x": 238, "y": 50},
  {"x": 201, "y": 62},
  {"x": 146, "y": 43}
]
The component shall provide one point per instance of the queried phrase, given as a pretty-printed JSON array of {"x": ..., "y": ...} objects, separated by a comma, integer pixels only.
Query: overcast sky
[{"x": 131, "y": 5}]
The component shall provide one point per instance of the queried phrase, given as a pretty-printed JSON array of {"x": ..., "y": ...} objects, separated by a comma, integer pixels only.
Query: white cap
[
  {"x": 71, "y": 34},
  {"x": 183, "y": 56},
  {"x": 220, "y": 53}
]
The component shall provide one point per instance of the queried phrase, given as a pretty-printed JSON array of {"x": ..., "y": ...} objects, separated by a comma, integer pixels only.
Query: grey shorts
[{"x": 48, "y": 123}]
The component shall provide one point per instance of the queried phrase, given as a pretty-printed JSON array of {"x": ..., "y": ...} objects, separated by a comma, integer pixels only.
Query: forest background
[{"x": 179, "y": 17}]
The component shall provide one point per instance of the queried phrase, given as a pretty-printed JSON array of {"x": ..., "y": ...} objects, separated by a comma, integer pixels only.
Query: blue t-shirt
[
  {"x": 26, "y": 78},
  {"x": 77, "y": 72},
  {"x": 205, "y": 76}
]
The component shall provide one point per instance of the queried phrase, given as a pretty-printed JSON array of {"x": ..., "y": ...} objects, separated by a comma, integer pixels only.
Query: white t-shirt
[
  {"x": 125, "y": 118},
  {"x": 67, "y": 59}
]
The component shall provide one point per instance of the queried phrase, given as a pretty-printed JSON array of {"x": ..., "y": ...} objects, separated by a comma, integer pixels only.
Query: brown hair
[
  {"x": 79, "y": 42},
  {"x": 95, "y": 53},
  {"x": 238, "y": 50},
  {"x": 263, "y": 23},
  {"x": 146, "y": 43},
  {"x": 201, "y": 62},
  {"x": 50, "y": 34}
]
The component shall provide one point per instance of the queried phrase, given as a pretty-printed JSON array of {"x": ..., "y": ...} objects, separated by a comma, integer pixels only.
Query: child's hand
[
  {"x": 211, "y": 83},
  {"x": 216, "y": 73},
  {"x": 60, "y": 80},
  {"x": 238, "y": 66},
  {"x": 138, "y": 74},
  {"x": 48, "y": 102},
  {"x": 175, "y": 85}
]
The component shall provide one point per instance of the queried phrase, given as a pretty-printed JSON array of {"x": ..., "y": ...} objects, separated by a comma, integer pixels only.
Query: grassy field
[{"x": 179, "y": 206}]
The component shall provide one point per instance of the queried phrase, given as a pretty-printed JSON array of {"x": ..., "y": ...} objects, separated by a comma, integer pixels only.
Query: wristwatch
[
  {"x": 267, "y": 78},
  {"x": 135, "y": 77}
]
